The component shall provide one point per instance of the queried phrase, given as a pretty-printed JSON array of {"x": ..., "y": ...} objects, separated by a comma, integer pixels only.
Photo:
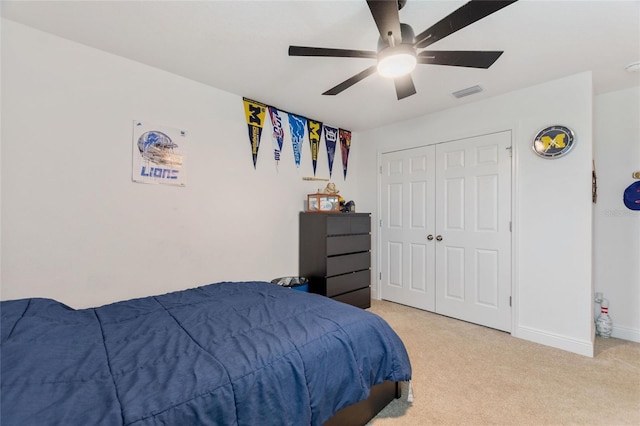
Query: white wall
[
  {"x": 616, "y": 228},
  {"x": 74, "y": 225},
  {"x": 552, "y": 201},
  {"x": 1, "y": 66}
]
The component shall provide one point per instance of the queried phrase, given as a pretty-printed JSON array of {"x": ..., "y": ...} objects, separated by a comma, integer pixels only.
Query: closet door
[
  {"x": 473, "y": 242},
  {"x": 445, "y": 240},
  {"x": 407, "y": 216}
]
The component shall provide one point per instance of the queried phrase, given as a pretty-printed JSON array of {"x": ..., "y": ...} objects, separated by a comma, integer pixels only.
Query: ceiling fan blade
[
  {"x": 460, "y": 18},
  {"x": 327, "y": 52},
  {"x": 351, "y": 81},
  {"x": 459, "y": 58},
  {"x": 385, "y": 14},
  {"x": 404, "y": 86}
]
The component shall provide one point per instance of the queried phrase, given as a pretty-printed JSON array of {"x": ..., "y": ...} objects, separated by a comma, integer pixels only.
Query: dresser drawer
[
  {"x": 348, "y": 282},
  {"x": 360, "y": 298},
  {"x": 345, "y": 224},
  {"x": 338, "y": 265},
  {"x": 348, "y": 244},
  {"x": 360, "y": 224}
]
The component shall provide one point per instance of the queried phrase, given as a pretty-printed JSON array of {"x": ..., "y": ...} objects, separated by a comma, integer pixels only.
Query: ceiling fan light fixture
[{"x": 396, "y": 61}]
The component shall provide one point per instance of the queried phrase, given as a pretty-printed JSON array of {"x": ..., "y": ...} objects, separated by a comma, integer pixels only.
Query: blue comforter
[{"x": 246, "y": 353}]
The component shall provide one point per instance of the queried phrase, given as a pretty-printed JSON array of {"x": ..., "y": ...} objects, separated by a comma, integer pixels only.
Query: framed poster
[{"x": 158, "y": 154}]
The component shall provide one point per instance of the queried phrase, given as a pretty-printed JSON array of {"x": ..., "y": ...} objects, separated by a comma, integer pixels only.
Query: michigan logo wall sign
[{"x": 553, "y": 141}]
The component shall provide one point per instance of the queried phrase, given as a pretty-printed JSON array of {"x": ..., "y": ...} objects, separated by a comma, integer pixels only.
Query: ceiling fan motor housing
[{"x": 407, "y": 34}]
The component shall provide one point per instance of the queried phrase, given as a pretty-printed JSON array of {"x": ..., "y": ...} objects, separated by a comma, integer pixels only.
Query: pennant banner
[
  {"x": 330, "y": 139},
  {"x": 278, "y": 133},
  {"x": 345, "y": 145},
  {"x": 297, "y": 125},
  {"x": 315, "y": 131},
  {"x": 254, "y": 113}
]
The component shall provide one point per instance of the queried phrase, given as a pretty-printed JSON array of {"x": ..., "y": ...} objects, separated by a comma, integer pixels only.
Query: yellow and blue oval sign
[{"x": 553, "y": 141}]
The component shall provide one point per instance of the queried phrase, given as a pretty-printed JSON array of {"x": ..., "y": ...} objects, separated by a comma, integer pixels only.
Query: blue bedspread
[{"x": 246, "y": 353}]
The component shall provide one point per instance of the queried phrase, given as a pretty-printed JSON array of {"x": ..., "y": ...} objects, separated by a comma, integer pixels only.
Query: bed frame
[{"x": 360, "y": 413}]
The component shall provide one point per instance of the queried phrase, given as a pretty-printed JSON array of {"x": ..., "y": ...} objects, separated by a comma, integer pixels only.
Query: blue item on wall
[{"x": 632, "y": 196}]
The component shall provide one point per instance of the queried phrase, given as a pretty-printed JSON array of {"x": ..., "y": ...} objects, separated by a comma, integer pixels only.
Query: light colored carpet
[{"x": 464, "y": 374}]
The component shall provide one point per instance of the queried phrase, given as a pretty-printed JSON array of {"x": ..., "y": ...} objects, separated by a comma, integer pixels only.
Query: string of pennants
[{"x": 255, "y": 114}]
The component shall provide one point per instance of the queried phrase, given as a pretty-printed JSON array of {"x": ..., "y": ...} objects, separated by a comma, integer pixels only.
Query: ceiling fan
[{"x": 397, "y": 52}]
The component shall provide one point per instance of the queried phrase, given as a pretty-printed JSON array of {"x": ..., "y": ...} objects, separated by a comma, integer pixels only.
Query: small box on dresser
[{"x": 335, "y": 255}]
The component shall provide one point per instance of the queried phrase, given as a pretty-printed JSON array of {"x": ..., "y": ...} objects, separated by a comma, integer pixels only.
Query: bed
[{"x": 232, "y": 353}]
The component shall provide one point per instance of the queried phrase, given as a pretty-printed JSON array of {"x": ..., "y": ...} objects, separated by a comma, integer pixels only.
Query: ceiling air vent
[{"x": 468, "y": 91}]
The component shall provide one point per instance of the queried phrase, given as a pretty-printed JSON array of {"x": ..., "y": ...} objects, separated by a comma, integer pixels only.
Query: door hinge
[
  {"x": 380, "y": 223},
  {"x": 510, "y": 151},
  {"x": 510, "y": 226},
  {"x": 380, "y": 169},
  {"x": 380, "y": 276},
  {"x": 509, "y": 301}
]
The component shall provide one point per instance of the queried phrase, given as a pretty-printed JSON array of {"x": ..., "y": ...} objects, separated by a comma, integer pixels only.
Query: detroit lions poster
[{"x": 158, "y": 154}]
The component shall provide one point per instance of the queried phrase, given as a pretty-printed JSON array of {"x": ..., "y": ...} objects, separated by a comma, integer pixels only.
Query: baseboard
[
  {"x": 626, "y": 333},
  {"x": 580, "y": 347}
]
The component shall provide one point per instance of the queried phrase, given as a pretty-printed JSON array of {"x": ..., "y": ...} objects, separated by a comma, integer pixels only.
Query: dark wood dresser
[{"x": 335, "y": 255}]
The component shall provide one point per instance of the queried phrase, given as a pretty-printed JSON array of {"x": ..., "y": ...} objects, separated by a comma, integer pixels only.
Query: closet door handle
[
  {"x": 429, "y": 237},
  {"x": 439, "y": 238}
]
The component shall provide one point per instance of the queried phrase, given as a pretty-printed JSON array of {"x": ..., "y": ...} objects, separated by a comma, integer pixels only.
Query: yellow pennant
[
  {"x": 315, "y": 130},
  {"x": 254, "y": 113}
]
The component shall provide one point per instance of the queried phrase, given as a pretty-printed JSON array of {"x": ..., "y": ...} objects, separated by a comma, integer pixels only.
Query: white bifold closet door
[{"x": 445, "y": 240}]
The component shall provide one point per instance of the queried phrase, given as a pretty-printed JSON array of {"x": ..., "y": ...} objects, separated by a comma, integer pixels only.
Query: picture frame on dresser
[{"x": 335, "y": 255}]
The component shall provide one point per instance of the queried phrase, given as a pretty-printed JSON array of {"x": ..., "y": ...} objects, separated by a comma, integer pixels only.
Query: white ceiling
[{"x": 241, "y": 47}]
